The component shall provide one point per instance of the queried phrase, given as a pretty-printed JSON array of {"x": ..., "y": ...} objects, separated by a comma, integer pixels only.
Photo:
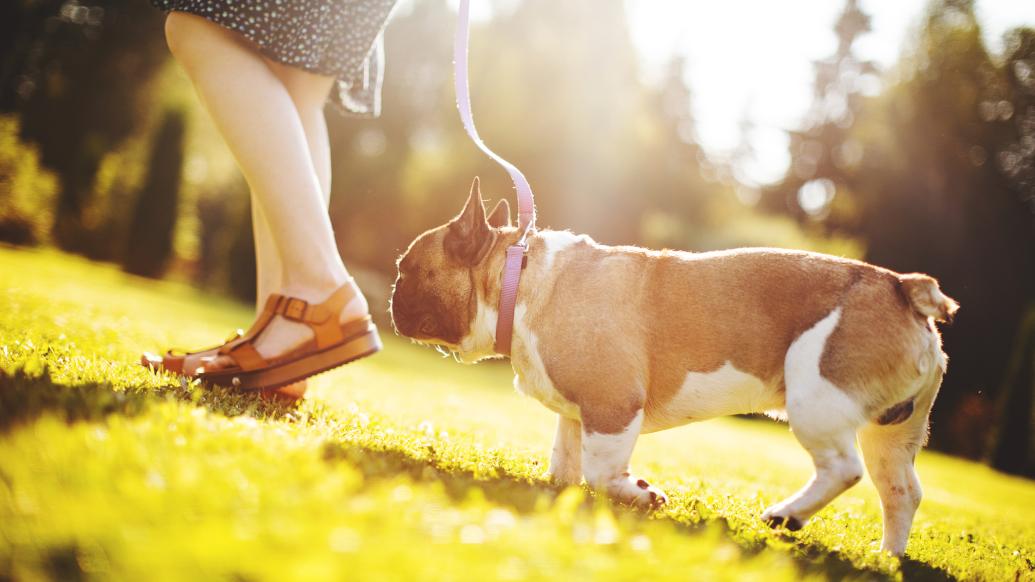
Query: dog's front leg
[
  {"x": 566, "y": 461},
  {"x": 605, "y": 463}
]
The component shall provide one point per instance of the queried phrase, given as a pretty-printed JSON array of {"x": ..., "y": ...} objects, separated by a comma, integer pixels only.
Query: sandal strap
[
  {"x": 322, "y": 319},
  {"x": 247, "y": 357},
  {"x": 180, "y": 353},
  {"x": 242, "y": 350}
]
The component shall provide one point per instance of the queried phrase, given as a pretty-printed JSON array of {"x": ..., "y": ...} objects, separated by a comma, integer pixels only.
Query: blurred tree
[
  {"x": 75, "y": 73},
  {"x": 226, "y": 259},
  {"x": 606, "y": 154},
  {"x": 213, "y": 221},
  {"x": 1013, "y": 438},
  {"x": 394, "y": 176},
  {"x": 1012, "y": 447},
  {"x": 22, "y": 24},
  {"x": 26, "y": 190},
  {"x": 824, "y": 153},
  {"x": 149, "y": 243},
  {"x": 1016, "y": 158},
  {"x": 240, "y": 262},
  {"x": 564, "y": 100},
  {"x": 671, "y": 182},
  {"x": 922, "y": 193},
  {"x": 929, "y": 200}
]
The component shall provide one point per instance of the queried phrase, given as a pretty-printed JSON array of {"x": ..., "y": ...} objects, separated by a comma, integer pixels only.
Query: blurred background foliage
[{"x": 104, "y": 151}]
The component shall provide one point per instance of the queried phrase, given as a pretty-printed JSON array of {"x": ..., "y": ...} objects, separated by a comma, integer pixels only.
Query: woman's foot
[
  {"x": 282, "y": 336},
  {"x": 188, "y": 364},
  {"x": 181, "y": 362},
  {"x": 193, "y": 362}
]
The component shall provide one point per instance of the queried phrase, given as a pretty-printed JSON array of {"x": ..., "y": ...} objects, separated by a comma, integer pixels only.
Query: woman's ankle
[
  {"x": 316, "y": 289},
  {"x": 318, "y": 293}
]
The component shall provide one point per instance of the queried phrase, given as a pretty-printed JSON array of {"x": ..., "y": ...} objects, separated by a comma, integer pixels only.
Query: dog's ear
[
  {"x": 500, "y": 215},
  {"x": 472, "y": 218},
  {"x": 469, "y": 236}
]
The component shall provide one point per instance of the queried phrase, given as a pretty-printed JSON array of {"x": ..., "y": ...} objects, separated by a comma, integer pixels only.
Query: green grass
[{"x": 402, "y": 466}]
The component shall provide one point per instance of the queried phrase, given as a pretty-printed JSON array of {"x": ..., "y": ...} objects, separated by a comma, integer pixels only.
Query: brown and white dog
[{"x": 620, "y": 341}]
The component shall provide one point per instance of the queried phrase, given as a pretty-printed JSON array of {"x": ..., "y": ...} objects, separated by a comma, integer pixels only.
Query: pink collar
[
  {"x": 509, "y": 280},
  {"x": 514, "y": 262}
]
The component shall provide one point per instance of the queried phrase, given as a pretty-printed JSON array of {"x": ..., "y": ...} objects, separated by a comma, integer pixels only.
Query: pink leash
[{"x": 526, "y": 204}]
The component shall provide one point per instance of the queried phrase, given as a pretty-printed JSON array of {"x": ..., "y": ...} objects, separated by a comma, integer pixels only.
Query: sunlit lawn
[{"x": 403, "y": 466}]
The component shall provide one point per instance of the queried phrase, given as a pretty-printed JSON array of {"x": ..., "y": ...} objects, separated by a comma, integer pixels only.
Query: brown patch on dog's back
[
  {"x": 620, "y": 303},
  {"x": 873, "y": 352},
  {"x": 744, "y": 306}
]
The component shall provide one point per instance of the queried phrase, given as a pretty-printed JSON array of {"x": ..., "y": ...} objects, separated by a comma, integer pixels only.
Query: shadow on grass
[
  {"x": 524, "y": 496},
  {"x": 25, "y": 397}
]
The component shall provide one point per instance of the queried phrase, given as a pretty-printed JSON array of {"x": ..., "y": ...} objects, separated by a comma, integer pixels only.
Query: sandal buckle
[{"x": 295, "y": 309}]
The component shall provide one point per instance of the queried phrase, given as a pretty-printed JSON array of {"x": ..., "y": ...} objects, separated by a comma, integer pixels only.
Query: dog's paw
[
  {"x": 639, "y": 493},
  {"x": 777, "y": 517}
]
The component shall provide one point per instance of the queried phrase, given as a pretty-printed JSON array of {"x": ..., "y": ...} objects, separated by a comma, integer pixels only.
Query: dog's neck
[
  {"x": 478, "y": 343},
  {"x": 544, "y": 247}
]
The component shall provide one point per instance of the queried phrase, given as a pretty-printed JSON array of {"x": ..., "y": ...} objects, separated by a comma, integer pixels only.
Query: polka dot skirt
[{"x": 339, "y": 38}]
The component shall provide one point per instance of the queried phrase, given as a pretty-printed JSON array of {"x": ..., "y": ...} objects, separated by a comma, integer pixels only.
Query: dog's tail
[{"x": 926, "y": 298}]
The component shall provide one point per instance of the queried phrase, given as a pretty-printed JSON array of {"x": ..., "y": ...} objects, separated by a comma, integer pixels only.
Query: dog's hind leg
[
  {"x": 837, "y": 468},
  {"x": 824, "y": 419},
  {"x": 890, "y": 452},
  {"x": 605, "y": 463},
  {"x": 566, "y": 461}
]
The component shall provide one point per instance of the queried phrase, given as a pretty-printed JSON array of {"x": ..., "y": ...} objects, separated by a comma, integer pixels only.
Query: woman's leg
[
  {"x": 309, "y": 93},
  {"x": 257, "y": 116}
]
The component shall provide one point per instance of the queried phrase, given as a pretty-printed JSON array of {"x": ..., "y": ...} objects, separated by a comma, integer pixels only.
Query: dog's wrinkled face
[{"x": 435, "y": 298}]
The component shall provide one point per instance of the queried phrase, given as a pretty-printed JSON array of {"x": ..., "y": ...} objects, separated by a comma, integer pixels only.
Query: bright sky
[{"x": 770, "y": 77}]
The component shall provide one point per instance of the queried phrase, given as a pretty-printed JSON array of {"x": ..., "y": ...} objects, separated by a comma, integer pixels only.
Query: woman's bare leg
[
  {"x": 258, "y": 118},
  {"x": 309, "y": 93}
]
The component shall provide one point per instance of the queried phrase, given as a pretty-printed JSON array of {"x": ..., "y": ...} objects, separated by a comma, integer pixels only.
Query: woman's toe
[{"x": 211, "y": 364}]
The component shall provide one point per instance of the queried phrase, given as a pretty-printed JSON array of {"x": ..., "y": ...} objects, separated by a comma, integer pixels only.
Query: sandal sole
[{"x": 308, "y": 366}]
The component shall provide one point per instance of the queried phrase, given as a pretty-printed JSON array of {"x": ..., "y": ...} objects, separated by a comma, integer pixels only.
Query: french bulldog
[{"x": 621, "y": 340}]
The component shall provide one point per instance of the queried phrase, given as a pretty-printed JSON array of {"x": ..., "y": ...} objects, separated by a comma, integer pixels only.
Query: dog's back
[{"x": 696, "y": 313}]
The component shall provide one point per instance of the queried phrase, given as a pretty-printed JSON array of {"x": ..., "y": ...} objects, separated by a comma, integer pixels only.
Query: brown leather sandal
[
  {"x": 173, "y": 359},
  {"x": 334, "y": 344}
]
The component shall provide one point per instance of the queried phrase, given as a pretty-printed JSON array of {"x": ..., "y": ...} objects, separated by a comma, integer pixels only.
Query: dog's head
[{"x": 444, "y": 294}]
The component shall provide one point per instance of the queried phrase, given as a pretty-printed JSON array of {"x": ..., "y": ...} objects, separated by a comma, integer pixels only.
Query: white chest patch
[
  {"x": 478, "y": 343},
  {"x": 530, "y": 377},
  {"x": 705, "y": 395}
]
